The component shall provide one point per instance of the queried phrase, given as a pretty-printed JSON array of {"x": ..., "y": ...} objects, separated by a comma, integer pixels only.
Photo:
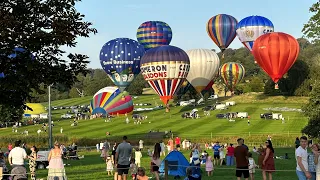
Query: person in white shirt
[
  {"x": 17, "y": 155},
  {"x": 302, "y": 160}
]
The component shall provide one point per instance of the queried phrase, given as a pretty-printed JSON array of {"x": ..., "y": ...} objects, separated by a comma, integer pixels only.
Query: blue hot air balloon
[
  {"x": 252, "y": 27},
  {"x": 120, "y": 59}
]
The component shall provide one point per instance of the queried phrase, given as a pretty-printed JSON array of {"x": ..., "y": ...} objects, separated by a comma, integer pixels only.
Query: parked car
[
  {"x": 212, "y": 97},
  {"x": 66, "y": 116},
  {"x": 230, "y": 103},
  {"x": 208, "y": 108},
  {"x": 266, "y": 116},
  {"x": 221, "y": 116},
  {"x": 221, "y": 106}
]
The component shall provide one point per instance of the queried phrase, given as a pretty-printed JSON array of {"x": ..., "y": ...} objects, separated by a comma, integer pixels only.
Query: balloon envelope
[
  {"x": 222, "y": 30},
  {"x": 165, "y": 68},
  {"x": 252, "y": 27},
  {"x": 120, "y": 59},
  {"x": 152, "y": 34},
  {"x": 111, "y": 101},
  {"x": 204, "y": 65},
  {"x": 232, "y": 73},
  {"x": 276, "y": 53}
]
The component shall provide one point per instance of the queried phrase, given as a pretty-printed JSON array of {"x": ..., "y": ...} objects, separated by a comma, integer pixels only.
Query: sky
[{"x": 187, "y": 19}]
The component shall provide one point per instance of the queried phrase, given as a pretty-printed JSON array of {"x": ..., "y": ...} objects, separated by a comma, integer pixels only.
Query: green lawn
[
  {"x": 92, "y": 167},
  {"x": 205, "y": 127}
]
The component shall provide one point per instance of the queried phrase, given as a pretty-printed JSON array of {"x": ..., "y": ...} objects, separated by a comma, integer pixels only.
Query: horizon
[{"x": 189, "y": 29}]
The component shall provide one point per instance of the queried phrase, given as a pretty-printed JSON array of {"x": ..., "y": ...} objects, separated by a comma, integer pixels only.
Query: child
[
  {"x": 109, "y": 166},
  {"x": 133, "y": 168},
  {"x": 142, "y": 174},
  {"x": 204, "y": 156},
  {"x": 209, "y": 165},
  {"x": 252, "y": 166},
  {"x": 190, "y": 176},
  {"x": 138, "y": 156}
]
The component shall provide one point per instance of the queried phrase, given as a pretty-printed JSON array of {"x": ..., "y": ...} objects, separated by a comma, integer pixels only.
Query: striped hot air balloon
[
  {"x": 222, "y": 30},
  {"x": 111, "y": 101},
  {"x": 152, "y": 34},
  {"x": 232, "y": 73},
  {"x": 165, "y": 68}
]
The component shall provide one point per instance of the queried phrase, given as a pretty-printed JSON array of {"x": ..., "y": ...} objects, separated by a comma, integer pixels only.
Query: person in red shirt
[
  {"x": 178, "y": 141},
  {"x": 170, "y": 144},
  {"x": 230, "y": 154}
]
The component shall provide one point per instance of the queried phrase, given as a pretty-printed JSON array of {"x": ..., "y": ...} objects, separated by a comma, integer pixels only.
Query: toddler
[{"x": 109, "y": 166}]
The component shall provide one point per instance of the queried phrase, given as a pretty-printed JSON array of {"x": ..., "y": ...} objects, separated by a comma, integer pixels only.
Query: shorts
[
  {"x": 216, "y": 156},
  {"x": 123, "y": 169},
  {"x": 154, "y": 167},
  {"x": 242, "y": 171}
]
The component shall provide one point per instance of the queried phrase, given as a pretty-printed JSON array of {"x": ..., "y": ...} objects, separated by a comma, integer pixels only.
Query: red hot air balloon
[{"x": 275, "y": 53}]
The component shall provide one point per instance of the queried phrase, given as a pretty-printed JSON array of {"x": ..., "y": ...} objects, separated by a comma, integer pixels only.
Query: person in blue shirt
[{"x": 216, "y": 153}]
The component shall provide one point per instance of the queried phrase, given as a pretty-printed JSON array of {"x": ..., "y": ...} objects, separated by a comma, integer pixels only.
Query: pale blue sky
[{"x": 187, "y": 18}]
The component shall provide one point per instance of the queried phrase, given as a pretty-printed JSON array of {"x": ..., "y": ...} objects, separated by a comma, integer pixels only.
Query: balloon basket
[
  {"x": 167, "y": 108},
  {"x": 276, "y": 86}
]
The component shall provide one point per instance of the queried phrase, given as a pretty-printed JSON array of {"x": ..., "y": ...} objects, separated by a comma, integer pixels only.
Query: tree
[
  {"x": 41, "y": 28},
  {"x": 312, "y": 28},
  {"x": 312, "y": 110}
]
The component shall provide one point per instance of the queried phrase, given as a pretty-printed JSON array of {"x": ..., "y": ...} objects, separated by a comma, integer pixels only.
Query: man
[
  {"x": 178, "y": 141},
  {"x": 216, "y": 153},
  {"x": 17, "y": 155},
  {"x": 123, "y": 154},
  {"x": 302, "y": 160},
  {"x": 106, "y": 147},
  {"x": 241, "y": 155}
]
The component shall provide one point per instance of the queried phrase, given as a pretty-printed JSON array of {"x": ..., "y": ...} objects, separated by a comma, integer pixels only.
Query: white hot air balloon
[{"x": 204, "y": 66}]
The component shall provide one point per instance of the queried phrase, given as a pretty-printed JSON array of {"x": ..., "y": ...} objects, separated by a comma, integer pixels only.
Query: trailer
[
  {"x": 277, "y": 116},
  {"x": 242, "y": 115}
]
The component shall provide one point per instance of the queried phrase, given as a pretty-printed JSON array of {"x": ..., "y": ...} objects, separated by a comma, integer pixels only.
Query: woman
[
  {"x": 230, "y": 154},
  {"x": 32, "y": 162},
  {"x": 315, "y": 150},
  {"x": 261, "y": 152},
  {"x": 113, "y": 157},
  {"x": 195, "y": 159},
  {"x": 56, "y": 167},
  {"x": 268, "y": 161},
  {"x": 155, "y": 160},
  {"x": 222, "y": 154}
]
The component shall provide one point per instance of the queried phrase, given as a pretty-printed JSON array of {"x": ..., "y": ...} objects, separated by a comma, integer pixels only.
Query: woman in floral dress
[{"x": 33, "y": 163}]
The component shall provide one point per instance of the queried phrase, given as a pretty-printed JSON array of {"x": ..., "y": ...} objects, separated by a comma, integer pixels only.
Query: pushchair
[{"x": 19, "y": 173}]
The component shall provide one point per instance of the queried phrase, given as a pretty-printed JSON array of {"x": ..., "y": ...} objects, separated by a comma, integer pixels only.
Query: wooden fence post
[{"x": 166, "y": 169}]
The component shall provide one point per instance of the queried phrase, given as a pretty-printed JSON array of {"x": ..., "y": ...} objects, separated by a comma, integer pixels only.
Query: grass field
[
  {"x": 92, "y": 167},
  {"x": 203, "y": 128}
]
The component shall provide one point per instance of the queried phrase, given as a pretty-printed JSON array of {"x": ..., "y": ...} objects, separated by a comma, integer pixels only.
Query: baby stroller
[
  {"x": 20, "y": 173},
  {"x": 72, "y": 154}
]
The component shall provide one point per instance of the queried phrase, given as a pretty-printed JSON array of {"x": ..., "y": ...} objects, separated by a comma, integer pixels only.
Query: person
[
  {"x": 297, "y": 142},
  {"x": 3, "y": 164},
  {"x": 216, "y": 153},
  {"x": 195, "y": 159},
  {"x": 17, "y": 155},
  {"x": 61, "y": 130},
  {"x": 141, "y": 144},
  {"x": 191, "y": 176},
  {"x": 312, "y": 166},
  {"x": 113, "y": 157},
  {"x": 56, "y": 167},
  {"x": 109, "y": 166},
  {"x": 155, "y": 160},
  {"x": 252, "y": 166},
  {"x": 261, "y": 151},
  {"x": 241, "y": 155},
  {"x": 141, "y": 174},
  {"x": 268, "y": 161},
  {"x": 230, "y": 154},
  {"x": 170, "y": 145},
  {"x": 32, "y": 162},
  {"x": 9, "y": 147},
  {"x": 133, "y": 168},
  {"x": 209, "y": 165},
  {"x": 137, "y": 157},
  {"x": 123, "y": 154},
  {"x": 302, "y": 159},
  {"x": 163, "y": 149},
  {"x": 177, "y": 141},
  {"x": 222, "y": 154},
  {"x": 254, "y": 149},
  {"x": 103, "y": 154},
  {"x": 97, "y": 146}
]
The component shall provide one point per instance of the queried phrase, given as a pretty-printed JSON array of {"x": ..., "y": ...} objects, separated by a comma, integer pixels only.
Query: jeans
[
  {"x": 301, "y": 175},
  {"x": 314, "y": 175},
  {"x": 229, "y": 161}
]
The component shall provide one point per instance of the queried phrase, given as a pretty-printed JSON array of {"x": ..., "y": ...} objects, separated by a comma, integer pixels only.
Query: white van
[
  {"x": 44, "y": 116},
  {"x": 242, "y": 115},
  {"x": 221, "y": 107},
  {"x": 230, "y": 103},
  {"x": 277, "y": 116}
]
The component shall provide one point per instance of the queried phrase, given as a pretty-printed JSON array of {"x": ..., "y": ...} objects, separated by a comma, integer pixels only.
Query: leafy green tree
[
  {"x": 137, "y": 86},
  {"x": 41, "y": 28},
  {"x": 312, "y": 28}
]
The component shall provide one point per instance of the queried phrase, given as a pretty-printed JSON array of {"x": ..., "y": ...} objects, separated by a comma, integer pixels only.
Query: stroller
[{"x": 20, "y": 173}]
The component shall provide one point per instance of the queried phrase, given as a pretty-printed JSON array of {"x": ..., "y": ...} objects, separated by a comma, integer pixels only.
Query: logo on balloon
[
  {"x": 249, "y": 33},
  {"x": 162, "y": 71}
]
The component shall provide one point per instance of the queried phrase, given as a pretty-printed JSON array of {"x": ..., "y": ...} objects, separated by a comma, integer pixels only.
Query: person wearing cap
[{"x": 17, "y": 155}]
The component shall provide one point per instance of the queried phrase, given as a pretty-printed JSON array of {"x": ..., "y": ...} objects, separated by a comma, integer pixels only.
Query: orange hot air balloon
[{"x": 276, "y": 53}]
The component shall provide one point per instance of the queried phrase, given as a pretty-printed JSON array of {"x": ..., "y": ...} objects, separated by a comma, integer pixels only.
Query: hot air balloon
[
  {"x": 165, "y": 68},
  {"x": 111, "y": 101},
  {"x": 275, "y": 53},
  {"x": 120, "y": 59},
  {"x": 252, "y": 27},
  {"x": 152, "y": 34},
  {"x": 222, "y": 30},
  {"x": 204, "y": 65},
  {"x": 232, "y": 73}
]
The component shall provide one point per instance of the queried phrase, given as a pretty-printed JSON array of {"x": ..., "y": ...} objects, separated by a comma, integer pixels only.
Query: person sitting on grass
[
  {"x": 141, "y": 174},
  {"x": 191, "y": 176}
]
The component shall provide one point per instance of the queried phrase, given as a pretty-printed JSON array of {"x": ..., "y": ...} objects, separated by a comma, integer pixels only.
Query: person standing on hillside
[
  {"x": 302, "y": 160},
  {"x": 241, "y": 155},
  {"x": 230, "y": 154},
  {"x": 216, "y": 153},
  {"x": 123, "y": 155}
]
